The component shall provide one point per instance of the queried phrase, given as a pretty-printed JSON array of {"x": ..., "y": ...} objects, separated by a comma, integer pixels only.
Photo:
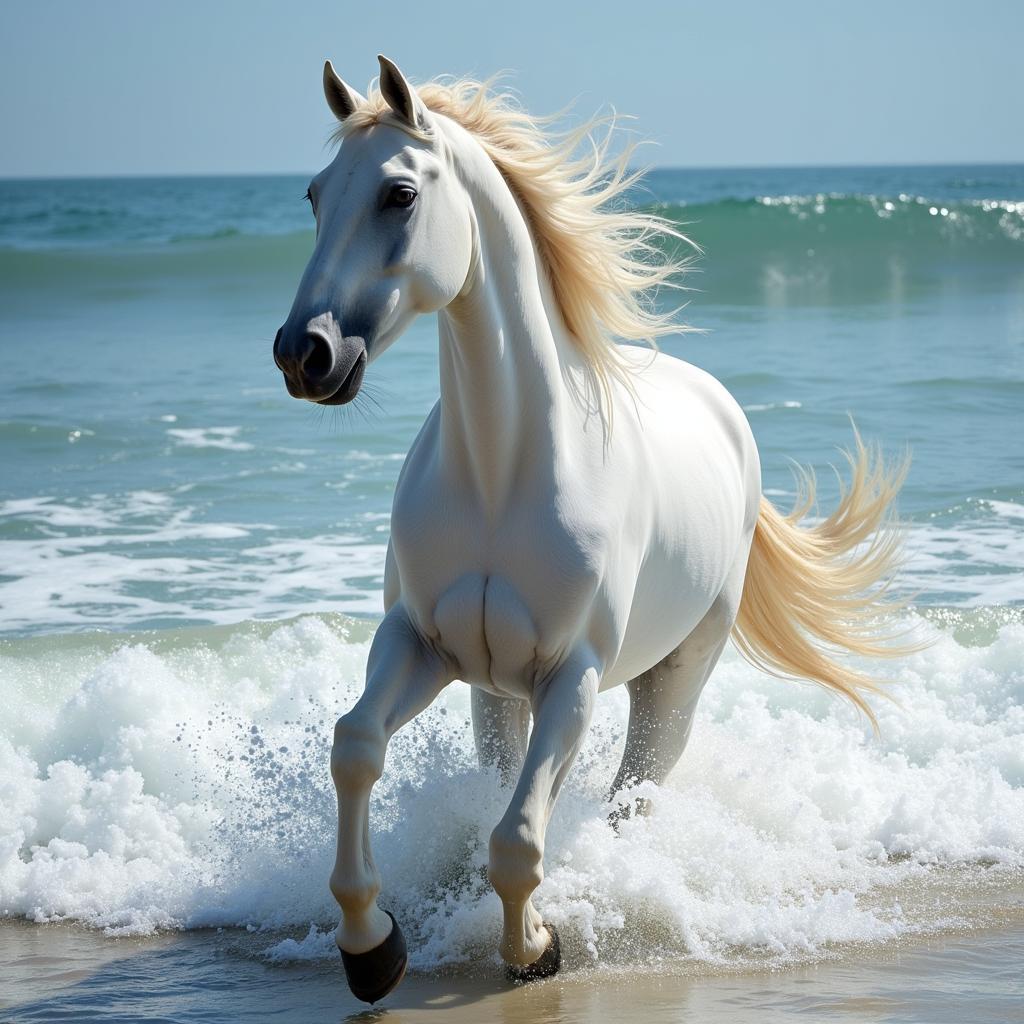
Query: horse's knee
[
  {"x": 357, "y": 757},
  {"x": 516, "y": 864}
]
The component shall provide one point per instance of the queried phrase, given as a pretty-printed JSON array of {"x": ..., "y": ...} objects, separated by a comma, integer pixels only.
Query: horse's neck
[{"x": 503, "y": 359}]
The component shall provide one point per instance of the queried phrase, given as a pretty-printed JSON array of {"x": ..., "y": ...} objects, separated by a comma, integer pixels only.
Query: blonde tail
[{"x": 813, "y": 591}]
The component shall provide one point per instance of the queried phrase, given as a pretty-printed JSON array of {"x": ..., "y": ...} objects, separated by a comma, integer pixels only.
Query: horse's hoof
[
  {"x": 545, "y": 965},
  {"x": 375, "y": 973}
]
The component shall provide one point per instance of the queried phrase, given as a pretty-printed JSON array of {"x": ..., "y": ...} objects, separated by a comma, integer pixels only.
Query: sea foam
[
  {"x": 179, "y": 780},
  {"x": 149, "y": 559}
]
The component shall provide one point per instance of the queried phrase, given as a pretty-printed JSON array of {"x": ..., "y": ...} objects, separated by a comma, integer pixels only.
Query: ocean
[{"x": 191, "y": 568}]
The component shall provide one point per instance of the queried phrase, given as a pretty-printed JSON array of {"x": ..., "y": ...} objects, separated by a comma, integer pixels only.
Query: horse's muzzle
[{"x": 320, "y": 367}]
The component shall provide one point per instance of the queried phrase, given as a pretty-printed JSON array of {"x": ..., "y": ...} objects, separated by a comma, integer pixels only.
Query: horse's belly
[{"x": 667, "y": 606}]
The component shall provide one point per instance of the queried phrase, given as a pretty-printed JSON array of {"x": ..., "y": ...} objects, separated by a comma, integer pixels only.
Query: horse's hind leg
[
  {"x": 500, "y": 726},
  {"x": 663, "y": 701}
]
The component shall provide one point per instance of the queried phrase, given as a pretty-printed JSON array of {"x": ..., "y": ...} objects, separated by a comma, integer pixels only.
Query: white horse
[{"x": 574, "y": 514}]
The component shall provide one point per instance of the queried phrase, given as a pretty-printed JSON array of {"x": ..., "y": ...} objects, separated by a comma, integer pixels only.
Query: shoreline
[{"x": 70, "y": 973}]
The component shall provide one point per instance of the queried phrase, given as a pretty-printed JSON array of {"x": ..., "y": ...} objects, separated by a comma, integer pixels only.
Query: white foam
[
  {"x": 225, "y": 438},
  {"x": 968, "y": 561},
  {"x": 145, "y": 557},
  {"x": 771, "y": 406},
  {"x": 182, "y": 782}
]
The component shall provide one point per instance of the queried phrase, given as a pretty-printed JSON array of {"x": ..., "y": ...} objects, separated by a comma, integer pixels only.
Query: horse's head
[{"x": 393, "y": 239}]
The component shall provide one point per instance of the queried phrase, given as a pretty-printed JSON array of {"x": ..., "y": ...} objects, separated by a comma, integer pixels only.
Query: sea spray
[{"x": 179, "y": 780}]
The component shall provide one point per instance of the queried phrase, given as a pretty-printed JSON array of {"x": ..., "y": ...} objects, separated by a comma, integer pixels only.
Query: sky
[{"x": 226, "y": 87}]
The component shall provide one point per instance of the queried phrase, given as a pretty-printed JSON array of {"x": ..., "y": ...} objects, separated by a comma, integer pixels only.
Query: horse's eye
[{"x": 401, "y": 196}]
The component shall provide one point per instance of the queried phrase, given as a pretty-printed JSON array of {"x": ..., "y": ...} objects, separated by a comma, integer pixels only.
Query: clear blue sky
[{"x": 226, "y": 86}]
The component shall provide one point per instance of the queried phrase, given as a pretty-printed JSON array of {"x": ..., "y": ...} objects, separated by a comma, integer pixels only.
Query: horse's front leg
[
  {"x": 562, "y": 709},
  {"x": 403, "y": 677}
]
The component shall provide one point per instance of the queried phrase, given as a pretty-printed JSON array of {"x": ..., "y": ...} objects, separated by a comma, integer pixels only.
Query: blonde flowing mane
[{"x": 601, "y": 254}]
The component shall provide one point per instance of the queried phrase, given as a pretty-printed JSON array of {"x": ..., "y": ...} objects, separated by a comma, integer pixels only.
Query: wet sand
[{"x": 63, "y": 973}]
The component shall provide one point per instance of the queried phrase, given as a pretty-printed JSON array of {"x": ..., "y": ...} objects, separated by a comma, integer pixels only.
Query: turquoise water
[
  {"x": 156, "y": 473},
  {"x": 191, "y": 567}
]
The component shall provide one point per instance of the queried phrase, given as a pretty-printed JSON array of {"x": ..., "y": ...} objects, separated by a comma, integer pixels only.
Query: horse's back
[{"x": 695, "y": 438}]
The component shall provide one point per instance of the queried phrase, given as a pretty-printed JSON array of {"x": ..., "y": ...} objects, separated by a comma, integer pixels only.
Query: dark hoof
[
  {"x": 545, "y": 965},
  {"x": 375, "y": 973}
]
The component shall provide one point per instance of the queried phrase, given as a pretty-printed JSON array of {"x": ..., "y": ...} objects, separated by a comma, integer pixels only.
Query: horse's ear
[
  {"x": 340, "y": 98},
  {"x": 400, "y": 96}
]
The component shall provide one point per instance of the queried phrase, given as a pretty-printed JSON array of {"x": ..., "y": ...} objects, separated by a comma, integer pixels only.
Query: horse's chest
[
  {"x": 483, "y": 624},
  {"x": 503, "y": 603}
]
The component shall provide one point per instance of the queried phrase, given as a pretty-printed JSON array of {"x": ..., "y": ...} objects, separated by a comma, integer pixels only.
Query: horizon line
[{"x": 157, "y": 175}]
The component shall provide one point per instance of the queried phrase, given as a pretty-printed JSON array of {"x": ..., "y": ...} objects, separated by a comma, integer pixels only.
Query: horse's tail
[{"x": 813, "y": 591}]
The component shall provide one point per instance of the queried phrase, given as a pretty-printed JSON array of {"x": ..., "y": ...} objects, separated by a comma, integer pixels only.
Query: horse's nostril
[
  {"x": 319, "y": 359},
  {"x": 277, "y": 346}
]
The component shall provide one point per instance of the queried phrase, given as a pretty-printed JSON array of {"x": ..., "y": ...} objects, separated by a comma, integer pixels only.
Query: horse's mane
[{"x": 601, "y": 252}]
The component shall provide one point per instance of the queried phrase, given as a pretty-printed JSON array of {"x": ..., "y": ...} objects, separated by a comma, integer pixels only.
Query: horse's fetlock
[
  {"x": 354, "y": 895},
  {"x": 516, "y": 864}
]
